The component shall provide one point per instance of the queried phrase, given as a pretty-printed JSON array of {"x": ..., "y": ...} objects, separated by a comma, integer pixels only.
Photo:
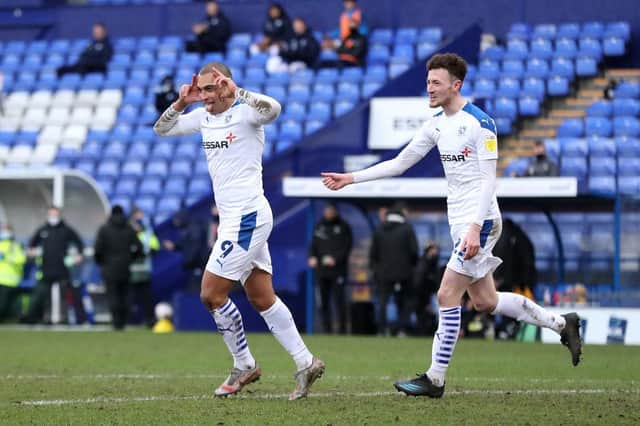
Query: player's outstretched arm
[
  {"x": 266, "y": 108},
  {"x": 335, "y": 181},
  {"x": 171, "y": 121}
]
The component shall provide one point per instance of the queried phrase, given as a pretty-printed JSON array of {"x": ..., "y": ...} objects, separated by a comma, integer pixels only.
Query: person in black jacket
[
  {"x": 352, "y": 51},
  {"x": 166, "y": 94},
  {"x": 56, "y": 248},
  {"x": 212, "y": 34},
  {"x": 426, "y": 280},
  {"x": 392, "y": 257},
  {"x": 329, "y": 257},
  {"x": 540, "y": 164},
  {"x": 298, "y": 52},
  {"x": 95, "y": 57},
  {"x": 116, "y": 247},
  {"x": 276, "y": 29}
]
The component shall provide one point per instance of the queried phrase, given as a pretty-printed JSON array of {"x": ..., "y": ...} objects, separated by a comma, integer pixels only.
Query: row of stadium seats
[{"x": 570, "y": 30}]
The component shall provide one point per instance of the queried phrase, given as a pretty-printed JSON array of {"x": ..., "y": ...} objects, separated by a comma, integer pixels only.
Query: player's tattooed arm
[
  {"x": 167, "y": 121},
  {"x": 268, "y": 108}
]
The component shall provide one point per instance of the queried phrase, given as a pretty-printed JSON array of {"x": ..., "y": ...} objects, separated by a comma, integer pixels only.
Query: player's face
[
  {"x": 210, "y": 94},
  {"x": 442, "y": 87}
]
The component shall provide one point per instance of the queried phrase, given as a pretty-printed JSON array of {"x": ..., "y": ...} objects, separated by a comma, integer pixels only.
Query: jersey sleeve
[
  {"x": 264, "y": 109},
  {"x": 487, "y": 140},
  {"x": 425, "y": 138},
  {"x": 173, "y": 123}
]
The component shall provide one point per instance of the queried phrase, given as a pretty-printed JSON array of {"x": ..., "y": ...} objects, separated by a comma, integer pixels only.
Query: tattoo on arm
[
  {"x": 262, "y": 106},
  {"x": 167, "y": 120}
]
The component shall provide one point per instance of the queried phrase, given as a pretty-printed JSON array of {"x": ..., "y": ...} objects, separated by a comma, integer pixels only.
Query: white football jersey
[
  {"x": 462, "y": 139},
  {"x": 233, "y": 142}
]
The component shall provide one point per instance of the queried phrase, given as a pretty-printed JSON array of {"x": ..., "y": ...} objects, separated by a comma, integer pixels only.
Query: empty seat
[
  {"x": 150, "y": 186},
  {"x": 200, "y": 186},
  {"x": 528, "y": 106},
  {"x": 541, "y": 49},
  {"x": 489, "y": 69},
  {"x": 505, "y": 108},
  {"x": 132, "y": 169},
  {"x": 592, "y": 30},
  {"x": 628, "y": 107},
  {"x": 291, "y": 130},
  {"x": 538, "y": 68},
  {"x": 319, "y": 111},
  {"x": 573, "y": 147},
  {"x": 628, "y": 89},
  {"x": 558, "y": 86},
  {"x": 534, "y": 87},
  {"x": 157, "y": 168},
  {"x": 168, "y": 204},
  {"x": 597, "y": 126},
  {"x": 602, "y": 166},
  {"x": 126, "y": 187},
  {"x": 629, "y": 166},
  {"x": 600, "y": 109},
  {"x": 176, "y": 186},
  {"x": 180, "y": 168},
  {"x": 626, "y": 126},
  {"x": 586, "y": 66},
  {"x": 512, "y": 68},
  {"x": 508, "y": 88},
  {"x": 52, "y": 134},
  {"x": 627, "y": 146},
  {"x": 573, "y": 166},
  {"x": 601, "y": 146},
  {"x": 342, "y": 107},
  {"x": 629, "y": 185},
  {"x": 110, "y": 169}
]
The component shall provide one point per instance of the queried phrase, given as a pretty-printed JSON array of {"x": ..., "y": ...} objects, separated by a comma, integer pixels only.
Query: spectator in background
[
  {"x": 95, "y": 57},
  {"x": 56, "y": 248},
  {"x": 116, "y": 248},
  {"x": 213, "y": 33},
  {"x": 166, "y": 94},
  {"x": 141, "y": 269},
  {"x": 350, "y": 16},
  {"x": 610, "y": 90},
  {"x": 352, "y": 51},
  {"x": 540, "y": 164},
  {"x": 392, "y": 257},
  {"x": 517, "y": 273},
  {"x": 298, "y": 52},
  {"x": 192, "y": 243},
  {"x": 426, "y": 280},
  {"x": 276, "y": 30},
  {"x": 329, "y": 257},
  {"x": 12, "y": 260}
]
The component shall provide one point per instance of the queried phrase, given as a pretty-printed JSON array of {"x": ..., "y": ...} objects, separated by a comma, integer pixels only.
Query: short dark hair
[
  {"x": 451, "y": 62},
  {"x": 217, "y": 65}
]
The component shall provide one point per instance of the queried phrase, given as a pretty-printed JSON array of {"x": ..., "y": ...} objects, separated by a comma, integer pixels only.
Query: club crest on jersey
[
  {"x": 462, "y": 130},
  {"x": 219, "y": 144},
  {"x": 227, "y": 118}
]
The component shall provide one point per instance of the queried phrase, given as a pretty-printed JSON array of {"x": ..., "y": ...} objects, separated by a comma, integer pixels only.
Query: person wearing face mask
[
  {"x": 426, "y": 279},
  {"x": 12, "y": 259},
  {"x": 141, "y": 268},
  {"x": 165, "y": 94},
  {"x": 50, "y": 245},
  {"x": 540, "y": 164}
]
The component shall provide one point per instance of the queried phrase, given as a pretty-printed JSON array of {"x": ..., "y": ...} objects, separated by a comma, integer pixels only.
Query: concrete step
[
  {"x": 566, "y": 113},
  {"x": 624, "y": 74},
  {"x": 548, "y": 123},
  {"x": 537, "y": 134},
  {"x": 590, "y": 94},
  {"x": 573, "y": 103}
]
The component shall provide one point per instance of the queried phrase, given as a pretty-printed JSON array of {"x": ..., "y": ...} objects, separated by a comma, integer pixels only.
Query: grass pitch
[{"x": 136, "y": 378}]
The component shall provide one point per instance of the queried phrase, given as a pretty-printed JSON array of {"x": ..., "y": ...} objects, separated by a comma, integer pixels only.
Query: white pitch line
[{"x": 106, "y": 400}]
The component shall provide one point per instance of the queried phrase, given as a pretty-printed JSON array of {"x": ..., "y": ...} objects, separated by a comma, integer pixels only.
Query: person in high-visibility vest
[
  {"x": 141, "y": 269},
  {"x": 12, "y": 260}
]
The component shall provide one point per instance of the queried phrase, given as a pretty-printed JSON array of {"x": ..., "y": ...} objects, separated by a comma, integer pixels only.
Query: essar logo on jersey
[
  {"x": 219, "y": 144},
  {"x": 456, "y": 157}
]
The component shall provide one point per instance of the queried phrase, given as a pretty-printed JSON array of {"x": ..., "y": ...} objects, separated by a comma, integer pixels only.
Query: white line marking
[{"x": 256, "y": 396}]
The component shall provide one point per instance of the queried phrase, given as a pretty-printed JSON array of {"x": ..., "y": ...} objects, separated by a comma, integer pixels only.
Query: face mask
[
  {"x": 53, "y": 220},
  {"x": 6, "y": 235}
]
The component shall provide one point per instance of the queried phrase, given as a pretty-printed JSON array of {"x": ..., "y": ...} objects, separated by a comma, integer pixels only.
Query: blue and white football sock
[
  {"x": 229, "y": 323},
  {"x": 280, "y": 322},
  {"x": 444, "y": 341},
  {"x": 519, "y": 307}
]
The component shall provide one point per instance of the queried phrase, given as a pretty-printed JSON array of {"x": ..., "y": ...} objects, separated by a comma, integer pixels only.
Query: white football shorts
[
  {"x": 482, "y": 263},
  {"x": 242, "y": 246}
]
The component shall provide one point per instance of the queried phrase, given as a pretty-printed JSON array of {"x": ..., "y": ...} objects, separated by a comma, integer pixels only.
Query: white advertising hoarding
[{"x": 601, "y": 326}]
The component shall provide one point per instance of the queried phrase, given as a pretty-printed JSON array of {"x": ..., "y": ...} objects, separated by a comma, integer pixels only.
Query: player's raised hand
[
  {"x": 335, "y": 181},
  {"x": 189, "y": 93},
  {"x": 226, "y": 86}
]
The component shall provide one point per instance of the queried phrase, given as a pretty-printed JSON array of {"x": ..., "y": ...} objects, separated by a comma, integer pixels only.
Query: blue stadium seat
[
  {"x": 139, "y": 151},
  {"x": 484, "y": 88},
  {"x": 573, "y": 146},
  {"x": 236, "y": 58},
  {"x": 516, "y": 49},
  {"x": 200, "y": 186},
  {"x": 125, "y": 44},
  {"x": 180, "y": 168},
  {"x": 592, "y": 29},
  {"x": 425, "y": 49},
  {"x": 533, "y": 87},
  {"x": 378, "y": 55},
  {"x": 467, "y": 89},
  {"x": 176, "y": 186},
  {"x": 255, "y": 75},
  {"x": 565, "y": 48},
  {"x": 302, "y": 77},
  {"x": 597, "y": 126},
  {"x": 574, "y": 166},
  {"x": 505, "y": 108},
  {"x": 617, "y": 29},
  {"x": 629, "y": 166},
  {"x": 406, "y": 36},
  {"x": 563, "y": 67},
  {"x": 590, "y": 47},
  {"x": 108, "y": 169},
  {"x": 626, "y": 126},
  {"x": 602, "y": 184},
  {"x": 144, "y": 132},
  {"x": 381, "y": 36},
  {"x": 187, "y": 151},
  {"x": 146, "y": 204},
  {"x": 517, "y": 167},
  {"x": 430, "y": 35},
  {"x": 319, "y": 111},
  {"x": 504, "y": 125},
  {"x": 148, "y": 43},
  {"x": 151, "y": 186},
  {"x": 351, "y": 75},
  {"x": 88, "y": 167},
  {"x": 404, "y": 52},
  {"x": 144, "y": 59},
  {"x": 629, "y": 185},
  {"x": 520, "y": 31},
  {"x": 90, "y": 151},
  {"x": 541, "y": 48},
  {"x": 512, "y": 68},
  {"x": 627, "y": 146},
  {"x": 508, "y": 88},
  {"x": 552, "y": 148},
  {"x": 586, "y": 66},
  {"x": 299, "y": 93},
  {"x": 558, "y": 86},
  {"x": 613, "y": 46},
  {"x": 312, "y": 126},
  {"x": 327, "y": 76},
  {"x": 271, "y": 132},
  {"x": 628, "y": 89},
  {"x": 571, "y": 127},
  {"x": 537, "y": 68},
  {"x": 472, "y": 72},
  {"x": 493, "y": 53},
  {"x": 132, "y": 168},
  {"x": 601, "y": 108},
  {"x": 342, "y": 107},
  {"x": 601, "y": 146},
  {"x": 602, "y": 166},
  {"x": 126, "y": 187},
  {"x": 544, "y": 31},
  {"x": 162, "y": 151},
  {"x": 291, "y": 130},
  {"x": 280, "y": 78},
  {"x": 569, "y": 30},
  {"x": 397, "y": 67},
  {"x": 628, "y": 107},
  {"x": 157, "y": 168},
  {"x": 323, "y": 92},
  {"x": 488, "y": 69},
  {"x": 348, "y": 91},
  {"x": 528, "y": 106},
  {"x": 295, "y": 111},
  {"x": 107, "y": 185},
  {"x": 59, "y": 46},
  {"x": 370, "y": 87},
  {"x": 115, "y": 151},
  {"x": 240, "y": 41}
]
